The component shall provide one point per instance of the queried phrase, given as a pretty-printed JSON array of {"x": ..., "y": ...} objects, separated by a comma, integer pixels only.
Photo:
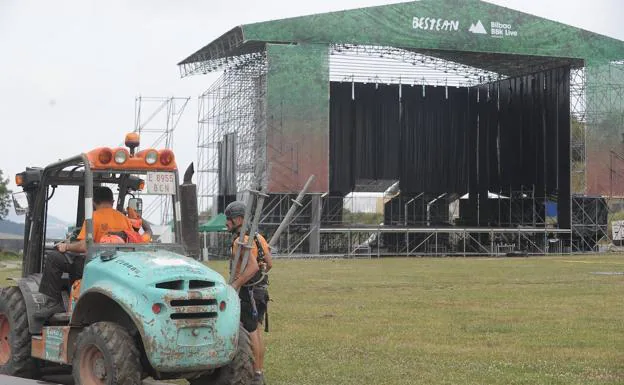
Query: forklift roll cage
[{"x": 77, "y": 171}]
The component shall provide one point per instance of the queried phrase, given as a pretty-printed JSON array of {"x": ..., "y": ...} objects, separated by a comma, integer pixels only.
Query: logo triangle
[{"x": 478, "y": 28}]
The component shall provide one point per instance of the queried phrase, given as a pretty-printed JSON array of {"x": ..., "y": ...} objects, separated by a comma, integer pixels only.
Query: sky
[{"x": 70, "y": 70}]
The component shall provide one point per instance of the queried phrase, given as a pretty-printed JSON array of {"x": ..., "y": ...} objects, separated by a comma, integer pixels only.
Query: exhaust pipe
[{"x": 189, "y": 214}]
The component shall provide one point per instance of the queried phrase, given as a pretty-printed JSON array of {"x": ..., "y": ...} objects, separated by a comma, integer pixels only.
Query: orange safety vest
[
  {"x": 137, "y": 224},
  {"x": 135, "y": 219}
]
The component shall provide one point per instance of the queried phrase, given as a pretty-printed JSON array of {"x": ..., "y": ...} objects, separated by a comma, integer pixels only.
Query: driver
[{"x": 105, "y": 220}]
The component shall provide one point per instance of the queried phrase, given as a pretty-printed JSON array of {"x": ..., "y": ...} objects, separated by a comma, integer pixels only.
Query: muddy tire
[
  {"x": 15, "y": 343},
  {"x": 238, "y": 372},
  {"x": 106, "y": 355}
]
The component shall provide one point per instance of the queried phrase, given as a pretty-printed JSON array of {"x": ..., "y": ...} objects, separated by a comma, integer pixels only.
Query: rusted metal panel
[
  {"x": 178, "y": 338},
  {"x": 38, "y": 347},
  {"x": 52, "y": 345}
]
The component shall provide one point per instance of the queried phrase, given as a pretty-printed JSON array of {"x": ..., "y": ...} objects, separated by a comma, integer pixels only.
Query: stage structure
[
  {"x": 474, "y": 129},
  {"x": 155, "y": 120}
]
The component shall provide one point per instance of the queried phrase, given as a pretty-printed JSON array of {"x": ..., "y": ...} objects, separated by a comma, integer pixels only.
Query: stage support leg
[{"x": 315, "y": 233}]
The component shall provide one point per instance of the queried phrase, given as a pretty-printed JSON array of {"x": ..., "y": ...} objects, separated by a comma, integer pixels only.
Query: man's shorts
[
  {"x": 261, "y": 295},
  {"x": 247, "y": 316}
]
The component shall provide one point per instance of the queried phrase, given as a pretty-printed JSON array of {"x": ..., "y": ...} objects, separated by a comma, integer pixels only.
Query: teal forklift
[{"x": 139, "y": 309}]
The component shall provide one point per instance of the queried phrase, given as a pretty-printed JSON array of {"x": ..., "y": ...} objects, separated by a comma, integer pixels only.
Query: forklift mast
[{"x": 36, "y": 183}]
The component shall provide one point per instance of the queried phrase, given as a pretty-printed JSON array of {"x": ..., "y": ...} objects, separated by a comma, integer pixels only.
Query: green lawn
[
  {"x": 9, "y": 256},
  {"x": 6, "y": 273},
  {"x": 447, "y": 321},
  {"x": 542, "y": 320}
]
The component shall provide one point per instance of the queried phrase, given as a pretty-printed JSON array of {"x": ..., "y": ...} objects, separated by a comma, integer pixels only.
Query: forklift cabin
[{"x": 130, "y": 174}]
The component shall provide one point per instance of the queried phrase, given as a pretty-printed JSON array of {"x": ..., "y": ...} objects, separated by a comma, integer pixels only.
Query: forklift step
[{"x": 59, "y": 319}]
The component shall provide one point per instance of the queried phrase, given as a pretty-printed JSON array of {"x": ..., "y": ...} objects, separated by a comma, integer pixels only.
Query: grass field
[
  {"x": 8, "y": 256},
  {"x": 546, "y": 320}
]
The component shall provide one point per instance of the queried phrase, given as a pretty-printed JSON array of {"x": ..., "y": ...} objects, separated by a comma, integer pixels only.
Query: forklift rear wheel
[
  {"x": 15, "y": 357},
  {"x": 106, "y": 354}
]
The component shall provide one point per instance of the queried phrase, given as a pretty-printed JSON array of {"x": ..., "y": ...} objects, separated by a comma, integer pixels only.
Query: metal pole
[
  {"x": 349, "y": 244},
  {"x": 254, "y": 228},
  {"x": 464, "y": 243},
  {"x": 296, "y": 204},
  {"x": 407, "y": 250}
]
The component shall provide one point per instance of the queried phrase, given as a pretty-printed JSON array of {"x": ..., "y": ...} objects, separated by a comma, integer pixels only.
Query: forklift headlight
[
  {"x": 151, "y": 157},
  {"x": 121, "y": 156}
]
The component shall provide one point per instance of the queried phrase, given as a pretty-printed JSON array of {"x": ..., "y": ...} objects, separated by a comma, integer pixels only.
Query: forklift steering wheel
[{"x": 70, "y": 254}]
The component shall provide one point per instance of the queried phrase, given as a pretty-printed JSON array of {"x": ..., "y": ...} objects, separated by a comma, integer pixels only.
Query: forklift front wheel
[{"x": 106, "y": 354}]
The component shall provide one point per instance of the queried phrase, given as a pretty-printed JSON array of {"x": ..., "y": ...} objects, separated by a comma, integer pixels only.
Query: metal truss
[
  {"x": 390, "y": 65},
  {"x": 155, "y": 120},
  {"x": 587, "y": 228},
  {"x": 578, "y": 130},
  {"x": 223, "y": 63},
  {"x": 374, "y": 242}
]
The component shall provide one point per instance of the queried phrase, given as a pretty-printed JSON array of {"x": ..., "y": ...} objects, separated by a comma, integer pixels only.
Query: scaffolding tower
[{"x": 231, "y": 132}]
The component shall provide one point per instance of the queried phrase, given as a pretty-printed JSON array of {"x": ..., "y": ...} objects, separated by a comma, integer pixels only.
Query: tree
[{"x": 5, "y": 197}]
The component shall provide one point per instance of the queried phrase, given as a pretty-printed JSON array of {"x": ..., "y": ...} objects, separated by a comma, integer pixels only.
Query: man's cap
[{"x": 235, "y": 209}]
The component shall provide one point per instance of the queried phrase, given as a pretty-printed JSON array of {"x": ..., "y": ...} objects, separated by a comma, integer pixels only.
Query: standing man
[
  {"x": 260, "y": 284},
  {"x": 251, "y": 309}
]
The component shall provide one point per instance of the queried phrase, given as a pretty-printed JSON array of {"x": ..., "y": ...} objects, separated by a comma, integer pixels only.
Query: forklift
[{"x": 138, "y": 309}]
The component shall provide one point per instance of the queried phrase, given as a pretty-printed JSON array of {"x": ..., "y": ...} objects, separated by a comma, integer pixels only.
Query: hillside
[{"x": 10, "y": 227}]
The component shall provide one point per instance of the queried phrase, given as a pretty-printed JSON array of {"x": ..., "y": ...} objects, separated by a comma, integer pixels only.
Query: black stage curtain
[
  {"x": 507, "y": 136},
  {"x": 341, "y": 122},
  {"x": 433, "y": 140},
  {"x": 364, "y": 134},
  {"x": 376, "y": 131},
  {"x": 523, "y": 131}
]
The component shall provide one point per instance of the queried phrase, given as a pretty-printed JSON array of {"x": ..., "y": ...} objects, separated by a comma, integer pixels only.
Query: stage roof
[{"x": 469, "y": 32}]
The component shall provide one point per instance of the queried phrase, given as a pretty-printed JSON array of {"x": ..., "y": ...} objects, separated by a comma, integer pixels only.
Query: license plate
[{"x": 160, "y": 183}]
